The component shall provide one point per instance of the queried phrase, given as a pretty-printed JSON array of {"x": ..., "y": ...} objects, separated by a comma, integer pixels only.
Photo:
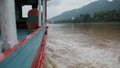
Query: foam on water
[{"x": 76, "y": 48}]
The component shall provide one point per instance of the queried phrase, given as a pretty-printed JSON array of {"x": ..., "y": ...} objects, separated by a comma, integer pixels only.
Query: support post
[
  {"x": 8, "y": 25},
  {"x": 44, "y": 11},
  {"x": 40, "y": 16}
]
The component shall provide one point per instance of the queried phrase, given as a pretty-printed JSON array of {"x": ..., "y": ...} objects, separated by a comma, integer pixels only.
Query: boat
[{"x": 29, "y": 50}]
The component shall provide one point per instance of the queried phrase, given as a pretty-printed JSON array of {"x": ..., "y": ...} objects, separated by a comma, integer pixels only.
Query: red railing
[
  {"x": 39, "y": 58},
  {"x": 40, "y": 55}
]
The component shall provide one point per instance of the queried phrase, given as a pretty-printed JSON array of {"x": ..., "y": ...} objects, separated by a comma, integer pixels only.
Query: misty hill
[{"x": 90, "y": 9}]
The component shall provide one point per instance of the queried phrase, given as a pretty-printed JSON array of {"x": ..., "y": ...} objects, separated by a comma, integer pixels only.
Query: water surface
[{"x": 83, "y": 46}]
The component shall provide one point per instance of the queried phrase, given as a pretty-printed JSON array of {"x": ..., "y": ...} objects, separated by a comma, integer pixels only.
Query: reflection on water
[{"x": 83, "y": 46}]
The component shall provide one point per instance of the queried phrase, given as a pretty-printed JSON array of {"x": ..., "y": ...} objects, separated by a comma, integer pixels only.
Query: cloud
[
  {"x": 53, "y": 2},
  {"x": 56, "y": 7}
]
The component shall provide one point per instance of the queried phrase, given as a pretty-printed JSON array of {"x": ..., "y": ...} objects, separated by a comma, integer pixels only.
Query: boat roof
[{"x": 26, "y": 2}]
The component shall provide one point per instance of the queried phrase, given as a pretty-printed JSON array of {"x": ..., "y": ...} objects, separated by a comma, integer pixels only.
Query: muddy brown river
[{"x": 83, "y": 46}]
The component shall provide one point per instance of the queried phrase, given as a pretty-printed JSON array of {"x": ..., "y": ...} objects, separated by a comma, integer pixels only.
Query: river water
[{"x": 83, "y": 46}]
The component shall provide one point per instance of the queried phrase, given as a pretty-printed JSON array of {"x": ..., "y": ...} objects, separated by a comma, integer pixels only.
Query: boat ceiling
[{"x": 26, "y": 2}]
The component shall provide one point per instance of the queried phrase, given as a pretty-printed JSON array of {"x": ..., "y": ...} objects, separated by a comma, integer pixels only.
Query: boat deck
[
  {"x": 21, "y": 33},
  {"x": 25, "y": 54}
]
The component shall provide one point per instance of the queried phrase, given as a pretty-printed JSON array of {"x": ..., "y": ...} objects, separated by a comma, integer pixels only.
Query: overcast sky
[{"x": 56, "y": 7}]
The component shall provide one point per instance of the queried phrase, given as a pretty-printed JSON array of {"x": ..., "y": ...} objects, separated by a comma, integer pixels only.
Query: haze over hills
[{"x": 89, "y": 9}]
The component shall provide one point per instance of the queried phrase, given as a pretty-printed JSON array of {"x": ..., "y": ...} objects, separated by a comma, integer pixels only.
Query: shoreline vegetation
[
  {"x": 89, "y": 23},
  {"x": 101, "y": 17}
]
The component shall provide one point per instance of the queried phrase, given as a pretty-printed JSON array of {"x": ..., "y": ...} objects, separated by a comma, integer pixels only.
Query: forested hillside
[{"x": 90, "y": 9}]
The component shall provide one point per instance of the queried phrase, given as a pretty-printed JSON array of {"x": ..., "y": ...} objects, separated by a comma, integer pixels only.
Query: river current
[{"x": 83, "y": 46}]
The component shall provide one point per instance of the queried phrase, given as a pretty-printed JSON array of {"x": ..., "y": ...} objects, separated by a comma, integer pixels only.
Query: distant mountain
[{"x": 90, "y": 9}]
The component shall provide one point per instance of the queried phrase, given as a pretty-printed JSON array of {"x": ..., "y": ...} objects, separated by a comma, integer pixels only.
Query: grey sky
[{"x": 56, "y": 7}]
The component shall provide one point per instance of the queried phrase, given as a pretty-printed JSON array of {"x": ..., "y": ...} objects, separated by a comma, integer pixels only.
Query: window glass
[{"x": 25, "y": 10}]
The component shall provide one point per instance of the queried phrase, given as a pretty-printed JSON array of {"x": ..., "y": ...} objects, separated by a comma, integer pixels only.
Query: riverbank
[{"x": 90, "y": 23}]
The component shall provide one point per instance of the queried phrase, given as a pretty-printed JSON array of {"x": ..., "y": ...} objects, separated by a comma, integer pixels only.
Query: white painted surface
[
  {"x": 39, "y": 4},
  {"x": 8, "y": 25},
  {"x": 43, "y": 11}
]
